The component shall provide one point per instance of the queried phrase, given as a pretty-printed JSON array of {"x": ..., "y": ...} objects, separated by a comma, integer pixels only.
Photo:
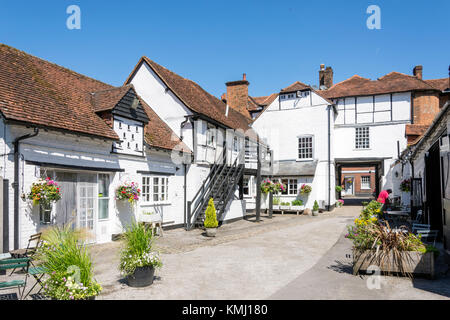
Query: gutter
[{"x": 16, "y": 183}]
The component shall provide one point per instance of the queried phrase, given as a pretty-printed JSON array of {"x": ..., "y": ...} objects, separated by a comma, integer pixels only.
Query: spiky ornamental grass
[
  {"x": 210, "y": 215},
  {"x": 67, "y": 264},
  {"x": 138, "y": 249}
]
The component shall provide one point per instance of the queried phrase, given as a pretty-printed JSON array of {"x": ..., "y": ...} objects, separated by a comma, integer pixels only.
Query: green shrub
[
  {"x": 67, "y": 264},
  {"x": 285, "y": 203},
  {"x": 297, "y": 202},
  {"x": 276, "y": 200},
  {"x": 138, "y": 249},
  {"x": 339, "y": 188},
  {"x": 316, "y": 206},
  {"x": 210, "y": 215}
]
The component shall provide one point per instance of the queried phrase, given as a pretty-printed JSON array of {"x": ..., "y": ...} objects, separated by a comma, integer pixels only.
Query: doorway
[{"x": 433, "y": 203}]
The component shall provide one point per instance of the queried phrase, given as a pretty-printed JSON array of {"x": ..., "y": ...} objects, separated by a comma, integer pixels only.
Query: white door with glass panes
[
  {"x": 103, "y": 225},
  {"x": 87, "y": 204}
]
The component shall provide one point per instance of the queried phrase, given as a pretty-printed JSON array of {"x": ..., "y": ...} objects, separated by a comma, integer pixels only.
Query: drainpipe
[
  {"x": 329, "y": 158},
  {"x": 185, "y": 195},
  {"x": 16, "y": 183}
]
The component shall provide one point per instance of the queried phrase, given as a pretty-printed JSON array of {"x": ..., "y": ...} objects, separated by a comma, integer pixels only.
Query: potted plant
[
  {"x": 68, "y": 266},
  {"x": 339, "y": 203},
  {"x": 297, "y": 205},
  {"x": 44, "y": 193},
  {"x": 128, "y": 192},
  {"x": 338, "y": 189},
  {"x": 315, "y": 210},
  {"x": 138, "y": 259},
  {"x": 276, "y": 203},
  {"x": 211, "y": 222},
  {"x": 285, "y": 206}
]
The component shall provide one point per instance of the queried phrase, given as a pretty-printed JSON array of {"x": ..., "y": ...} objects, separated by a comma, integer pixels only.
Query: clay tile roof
[
  {"x": 107, "y": 99},
  {"x": 158, "y": 134},
  {"x": 415, "y": 129},
  {"x": 265, "y": 101},
  {"x": 296, "y": 86},
  {"x": 197, "y": 99},
  {"x": 35, "y": 91},
  {"x": 390, "y": 83},
  {"x": 440, "y": 84}
]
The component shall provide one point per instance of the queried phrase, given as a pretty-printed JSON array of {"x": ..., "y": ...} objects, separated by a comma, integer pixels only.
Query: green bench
[{"x": 21, "y": 263}]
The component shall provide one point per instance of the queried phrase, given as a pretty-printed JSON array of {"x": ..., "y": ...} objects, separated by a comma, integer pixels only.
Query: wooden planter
[{"x": 413, "y": 262}]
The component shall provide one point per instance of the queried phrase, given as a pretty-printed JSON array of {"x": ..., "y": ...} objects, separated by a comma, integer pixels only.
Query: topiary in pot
[
  {"x": 211, "y": 222},
  {"x": 315, "y": 210}
]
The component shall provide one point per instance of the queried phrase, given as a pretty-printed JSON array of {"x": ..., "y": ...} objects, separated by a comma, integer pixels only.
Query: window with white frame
[
  {"x": 210, "y": 136},
  {"x": 155, "y": 189},
  {"x": 365, "y": 182},
  {"x": 235, "y": 144},
  {"x": 362, "y": 138},
  {"x": 246, "y": 186},
  {"x": 103, "y": 196},
  {"x": 305, "y": 147},
  {"x": 291, "y": 186}
]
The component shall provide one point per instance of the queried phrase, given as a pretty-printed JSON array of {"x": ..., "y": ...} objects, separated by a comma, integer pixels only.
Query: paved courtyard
[{"x": 287, "y": 257}]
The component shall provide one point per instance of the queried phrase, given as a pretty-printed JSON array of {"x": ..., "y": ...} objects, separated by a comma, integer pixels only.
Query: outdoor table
[
  {"x": 398, "y": 213},
  {"x": 4, "y": 256}
]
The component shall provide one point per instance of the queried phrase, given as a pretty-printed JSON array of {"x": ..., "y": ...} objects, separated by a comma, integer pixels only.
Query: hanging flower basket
[
  {"x": 305, "y": 189},
  {"x": 129, "y": 192},
  {"x": 44, "y": 192},
  {"x": 274, "y": 187},
  {"x": 405, "y": 186}
]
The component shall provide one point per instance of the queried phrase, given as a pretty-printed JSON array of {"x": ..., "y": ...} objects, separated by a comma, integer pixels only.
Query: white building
[
  {"x": 90, "y": 138},
  {"x": 299, "y": 126}
]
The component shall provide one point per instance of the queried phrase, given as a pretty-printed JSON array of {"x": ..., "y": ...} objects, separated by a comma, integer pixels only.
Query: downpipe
[{"x": 16, "y": 183}]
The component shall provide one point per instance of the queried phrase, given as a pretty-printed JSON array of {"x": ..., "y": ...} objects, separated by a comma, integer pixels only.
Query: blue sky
[{"x": 215, "y": 41}]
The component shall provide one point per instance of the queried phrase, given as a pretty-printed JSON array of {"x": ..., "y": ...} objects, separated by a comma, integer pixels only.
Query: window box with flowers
[
  {"x": 128, "y": 192},
  {"x": 43, "y": 194}
]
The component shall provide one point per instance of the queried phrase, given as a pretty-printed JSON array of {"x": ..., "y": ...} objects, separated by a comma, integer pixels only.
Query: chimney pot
[
  {"x": 417, "y": 71},
  {"x": 244, "y": 77},
  {"x": 322, "y": 66}
]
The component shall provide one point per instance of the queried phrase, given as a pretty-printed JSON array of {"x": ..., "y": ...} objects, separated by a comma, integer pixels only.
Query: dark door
[{"x": 433, "y": 188}]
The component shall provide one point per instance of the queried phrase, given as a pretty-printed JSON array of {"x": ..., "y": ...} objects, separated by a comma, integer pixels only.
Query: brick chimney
[
  {"x": 325, "y": 77},
  {"x": 417, "y": 72},
  {"x": 237, "y": 95}
]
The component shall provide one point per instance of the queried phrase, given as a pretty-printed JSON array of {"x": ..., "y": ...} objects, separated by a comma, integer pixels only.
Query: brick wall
[
  {"x": 425, "y": 107},
  {"x": 350, "y": 172},
  {"x": 237, "y": 95}
]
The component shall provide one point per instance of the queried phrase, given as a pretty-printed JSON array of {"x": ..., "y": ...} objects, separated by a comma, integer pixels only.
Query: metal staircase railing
[{"x": 216, "y": 182}]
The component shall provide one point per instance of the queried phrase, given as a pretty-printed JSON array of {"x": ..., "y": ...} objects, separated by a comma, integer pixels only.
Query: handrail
[{"x": 204, "y": 189}]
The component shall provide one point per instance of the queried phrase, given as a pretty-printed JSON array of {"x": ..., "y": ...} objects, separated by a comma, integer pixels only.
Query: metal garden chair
[
  {"x": 22, "y": 263},
  {"x": 33, "y": 244}
]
